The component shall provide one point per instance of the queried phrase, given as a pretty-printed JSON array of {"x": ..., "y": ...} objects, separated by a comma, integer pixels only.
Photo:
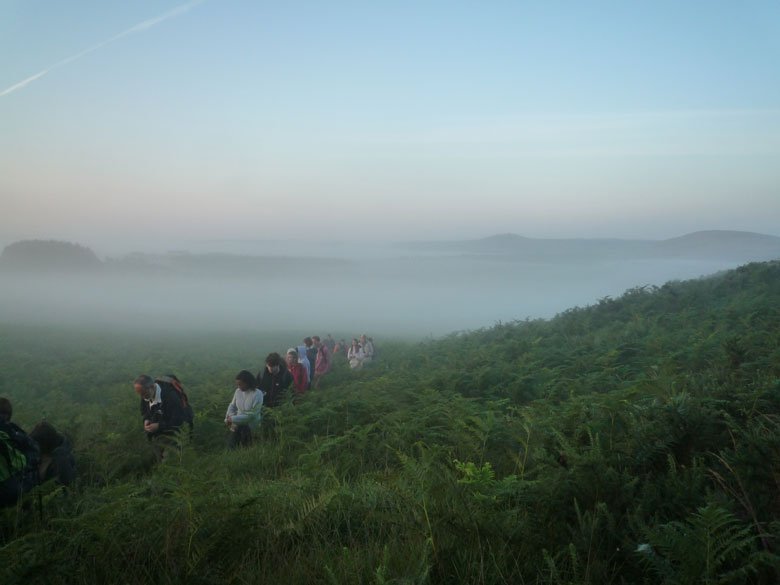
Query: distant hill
[
  {"x": 47, "y": 256},
  {"x": 714, "y": 244},
  {"x": 731, "y": 245}
]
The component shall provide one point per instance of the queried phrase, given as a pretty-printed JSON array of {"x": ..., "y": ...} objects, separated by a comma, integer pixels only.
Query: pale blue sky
[{"x": 388, "y": 120}]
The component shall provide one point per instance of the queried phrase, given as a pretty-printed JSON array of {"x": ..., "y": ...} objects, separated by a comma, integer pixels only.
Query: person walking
[
  {"x": 367, "y": 344},
  {"x": 274, "y": 379},
  {"x": 311, "y": 356},
  {"x": 322, "y": 364},
  {"x": 244, "y": 411},
  {"x": 299, "y": 373},
  {"x": 355, "y": 355}
]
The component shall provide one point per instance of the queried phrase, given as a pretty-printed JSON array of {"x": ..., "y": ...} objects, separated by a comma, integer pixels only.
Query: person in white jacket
[
  {"x": 355, "y": 355},
  {"x": 244, "y": 411}
]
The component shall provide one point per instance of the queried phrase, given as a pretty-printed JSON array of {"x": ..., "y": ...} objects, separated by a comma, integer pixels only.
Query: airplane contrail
[
  {"x": 138, "y": 28},
  {"x": 23, "y": 82}
]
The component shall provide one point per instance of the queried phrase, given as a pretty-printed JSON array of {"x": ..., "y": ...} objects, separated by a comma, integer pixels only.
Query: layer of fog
[{"x": 383, "y": 295}]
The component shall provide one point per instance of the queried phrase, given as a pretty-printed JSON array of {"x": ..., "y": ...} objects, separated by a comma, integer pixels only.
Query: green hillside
[{"x": 633, "y": 441}]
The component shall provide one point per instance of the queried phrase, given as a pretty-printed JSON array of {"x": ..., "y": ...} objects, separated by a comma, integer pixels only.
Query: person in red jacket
[{"x": 299, "y": 373}]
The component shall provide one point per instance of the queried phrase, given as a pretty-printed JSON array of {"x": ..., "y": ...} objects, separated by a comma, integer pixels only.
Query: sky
[{"x": 123, "y": 122}]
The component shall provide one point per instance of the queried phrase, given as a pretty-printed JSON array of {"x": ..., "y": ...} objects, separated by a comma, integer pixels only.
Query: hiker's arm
[
  {"x": 146, "y": 412},
  {"x": 232, "y": 410}
]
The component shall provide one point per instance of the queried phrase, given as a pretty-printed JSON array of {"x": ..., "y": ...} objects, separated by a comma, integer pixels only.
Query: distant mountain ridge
[
  {"x": 723, "y": 243},
  {"x": 720, "y": 245},
  {"x": 702, "y": 245}
]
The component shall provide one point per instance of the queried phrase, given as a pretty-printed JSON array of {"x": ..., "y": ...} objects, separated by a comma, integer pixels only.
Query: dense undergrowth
[{"x": 634, "y": 441}]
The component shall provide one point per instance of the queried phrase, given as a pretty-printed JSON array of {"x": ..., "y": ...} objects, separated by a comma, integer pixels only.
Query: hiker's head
[
  {"x": 292, "y": 357},
  {"x": 6, "y": 410},
  {"x": 246, "y": 381},
  {"x": 316, "y": 340},
  {"x": 273, "y": 362},
  {"x": 46, "y": 436},
  {"x": 307, "y": 341},
  {"x": 355, "y": 342},
  {"x": 363, "y": 338},
  {"x": 144, "y": 386}
]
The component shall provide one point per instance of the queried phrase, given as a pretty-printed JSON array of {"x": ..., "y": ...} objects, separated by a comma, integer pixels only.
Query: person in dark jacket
[
  {"x": 274, "y": 379},
  {"x": 163, "y": 412},
  {"x": 57, "y": 461}
]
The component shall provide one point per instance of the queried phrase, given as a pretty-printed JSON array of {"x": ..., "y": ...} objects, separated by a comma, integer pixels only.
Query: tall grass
[{"x": 634, "y": 441}]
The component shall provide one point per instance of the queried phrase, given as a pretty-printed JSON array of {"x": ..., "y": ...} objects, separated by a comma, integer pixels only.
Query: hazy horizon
[{"x": 301, "y": 247}]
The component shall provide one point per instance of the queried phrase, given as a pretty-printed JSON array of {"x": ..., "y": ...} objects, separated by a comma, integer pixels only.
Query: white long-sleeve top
[
  {"x": 245, "y": 408},
  {"x": 355, "y": 357}
]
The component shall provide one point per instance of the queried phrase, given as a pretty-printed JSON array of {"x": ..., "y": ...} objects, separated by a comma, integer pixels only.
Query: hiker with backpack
[
  {"x": 244, "y": 411},
  {"x": 18, "y": 458},
  {"x": 164, "y": 409},
  {"x": 171, "y": 381}
]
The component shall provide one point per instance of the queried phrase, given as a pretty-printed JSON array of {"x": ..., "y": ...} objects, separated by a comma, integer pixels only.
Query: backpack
[
  {"x": 172, "y": 382},
  {"x": 19, "y": 459}
]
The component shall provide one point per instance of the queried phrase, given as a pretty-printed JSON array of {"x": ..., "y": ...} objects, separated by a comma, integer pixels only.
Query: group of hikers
[
  {"x": 359, "y": 352},
  {"x": 165, "y": 405},
  {"x": 27, "y": 460}
]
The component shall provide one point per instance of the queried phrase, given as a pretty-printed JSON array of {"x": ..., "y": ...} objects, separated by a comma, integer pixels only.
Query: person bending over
[{"x": 163, "y": 412}]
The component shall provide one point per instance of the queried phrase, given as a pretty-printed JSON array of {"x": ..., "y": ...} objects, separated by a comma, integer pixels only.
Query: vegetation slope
[{"x": 633, "y": 441}]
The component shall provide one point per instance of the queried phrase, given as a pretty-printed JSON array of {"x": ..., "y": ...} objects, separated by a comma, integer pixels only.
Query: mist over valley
[{"x": 408, "y": 289}]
